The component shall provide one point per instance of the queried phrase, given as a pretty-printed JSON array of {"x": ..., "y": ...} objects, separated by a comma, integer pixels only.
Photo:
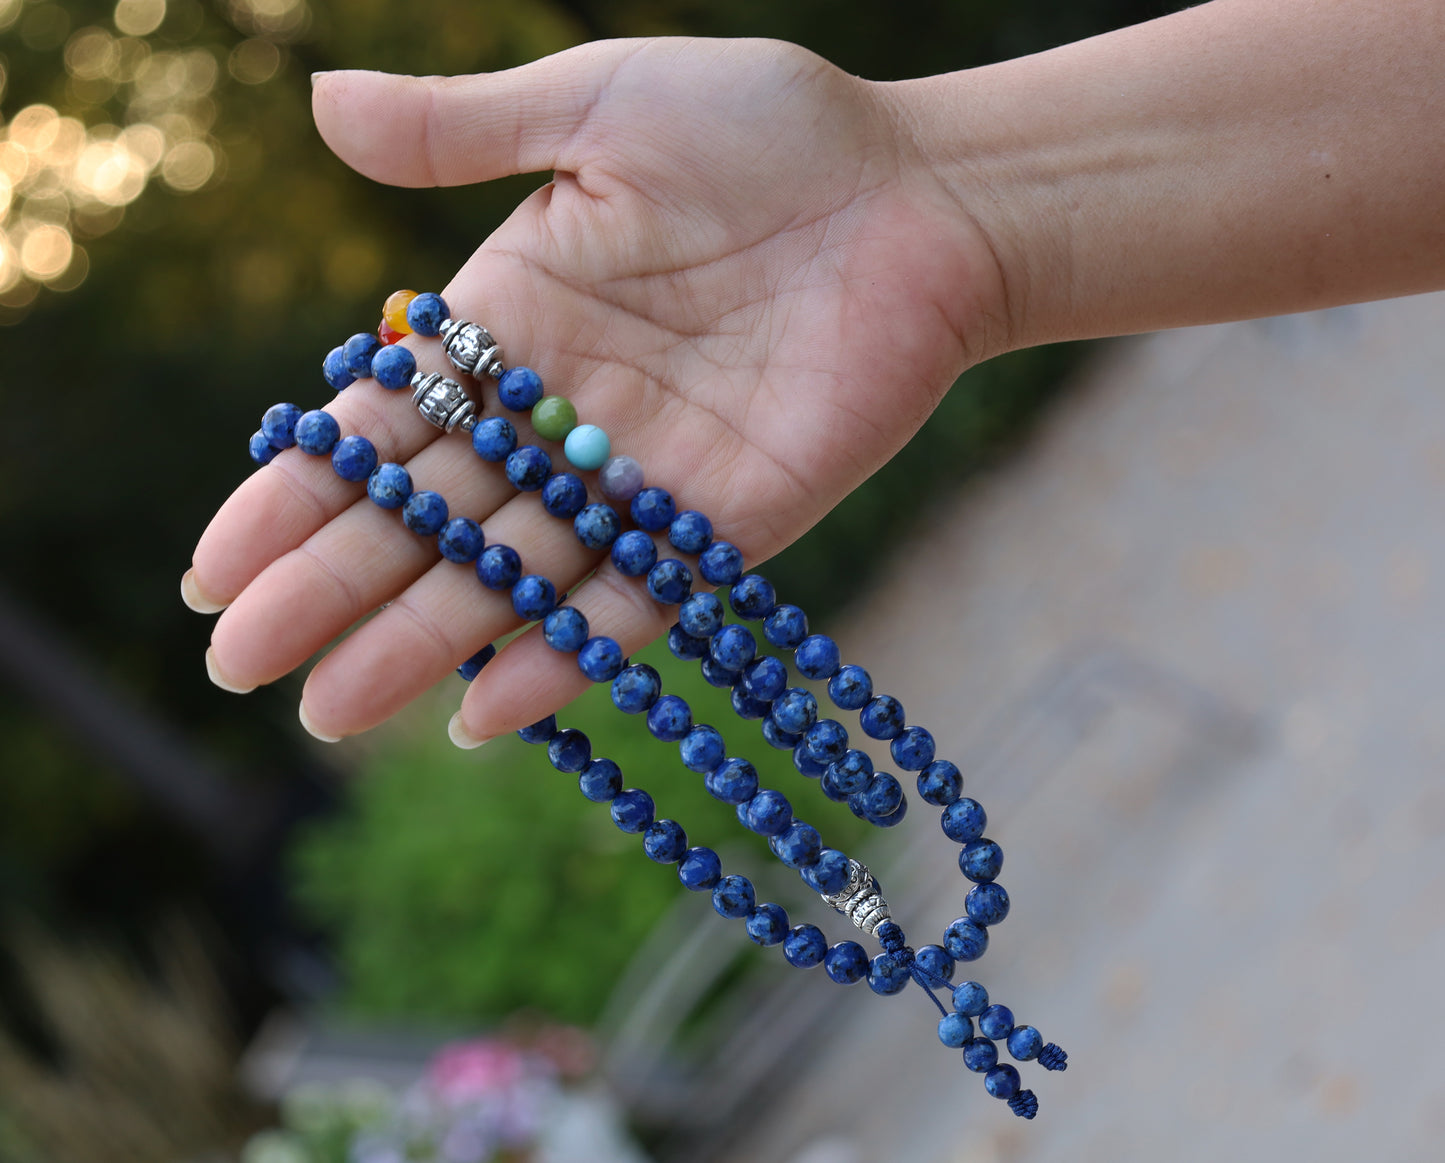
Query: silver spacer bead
[
  {"x": 441, "y": 401},
  {"x": 471, "y": 348},
  {"x": 859, "y": 900}
]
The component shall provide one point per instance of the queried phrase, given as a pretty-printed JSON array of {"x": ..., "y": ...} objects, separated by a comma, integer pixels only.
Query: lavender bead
[{"x": 620, "y": 478}]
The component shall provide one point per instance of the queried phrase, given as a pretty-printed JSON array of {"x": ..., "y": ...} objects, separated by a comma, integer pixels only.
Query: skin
[{"x": 760, "y": 275}]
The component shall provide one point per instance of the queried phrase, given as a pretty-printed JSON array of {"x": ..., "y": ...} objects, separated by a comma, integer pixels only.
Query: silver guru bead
[
  {"x": 441, "y": 401},
  {"x": 471, "y": 348},
  {"x": 860, "y": 900}
]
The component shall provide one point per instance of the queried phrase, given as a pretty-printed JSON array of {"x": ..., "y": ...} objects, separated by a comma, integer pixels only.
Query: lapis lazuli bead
[
  {"x": 935, "y": 964},
  {"x": 829, "y": 873},
  {"x": 653, "y": 509},
  {"x": 753, "y": 597},
  {"x": 981, "y": 860},
  {"x": 733, "y": 647},
  {"x": 734, "y": 781},
  {"x": 334, "y": 371},
  {"x": 701, "y": 615},
  {"x": 768, "y": 924},
  {"x": 669, "y": 582},
  {"x": 785, "y": 627},
  {"x": 597, "y": 525},
  {"x": 494, "y": 439},
  {"x": 1024, "y": 1043},
  {"x": 775, "y": 736},
  {"x": 540, "y": 731},
  {"x": 564, "y": 629},
  {"x": 1002, "y": 1081},
  {"x": 636, "y": 688},
  {"x": 851, "y": 688},
  {"x": 805, "y": 763},
  {"x": 882, "y": 718},
  {"x": 846, "y": 962},
  {"x": 965, "y": 940},
  {"x": 745, "y": 706},
  {"x": 970, "y": 998},
  {"x": 426, "y": 313},
  {"x": 633, "y": 553},
  {"x": 690, "y": 532},
  {"x": 498, "y": 567},
  {"x": 805, "y": 946},
  {"x": 534, "y": 597},
  {"x": 519, "y": 389},
  {"x": 912, "y": 750},
  {"x": 699, "y": 869},
  {"x": 279, "y": 425},
  {"x": 702, "y": 749},
  {"x": 769, "y": 813},
  {"x": 891, "y": 819},
  {"x": 393, "y": 366},
  {"x": 664, "y": 841},
  {"x": 980, "y": 1055},
  {"x": 733, "y": 897},
  {"x": 563, "y": 495},
  {"x": 600, "y": 781},
  {"x": 353, "y": 458},
  {"x": 473, "y": 666},
  {"x": 795, "y": 710},
  {"x": 587, "y": 447},
  {"x": 424, "y": 512},
  {"x": 764, "y": 678},
  {"x": 817, "y": 657},
  {"x": 941, "y": 784},
  {"x": 954, "y": 1030},
  {"x": 262, "y": 451},
  {"x": 461, "y": 540},
  {"x": 987, "y": 904},
  {"x": 685, "y": 646},
  {"x": 528, "y": 468},
  {"x": 881, "y": 797},
  {"x": 620, "y": 478},
  {"x": 828, "y": 784},
  {"x": 569, "y": 750},
  {"x": 798, "y": 845},
  {"x": 995, "y": 1022},
  {"x": 888, "y": 973},
  {"x": 963, "y": 820},
  {"x": 669, "y": 719},
  {"x": 632, "y": 810},
  {"x": 358, "y": 352},
  {"x": 600, "y": 659},
  {"x": 317, "y": 432},
  {"x": 826, "y": 741},
  {"x": 721, "y": 563},
  {"x": 388, "y": 486},
  {"x": 717, "y": 675}
]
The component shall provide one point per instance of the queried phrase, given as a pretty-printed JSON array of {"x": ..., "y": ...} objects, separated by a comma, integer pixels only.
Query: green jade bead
[
  {"x": 553, "y": 417},
  {"x": 587, "y": 447}
]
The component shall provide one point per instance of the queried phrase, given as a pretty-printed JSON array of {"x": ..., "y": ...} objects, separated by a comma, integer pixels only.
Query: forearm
[{"x": 1243, "y": 158}]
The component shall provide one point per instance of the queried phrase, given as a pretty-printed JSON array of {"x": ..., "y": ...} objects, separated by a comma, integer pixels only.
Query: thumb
[{"x": 450, "y": 131}]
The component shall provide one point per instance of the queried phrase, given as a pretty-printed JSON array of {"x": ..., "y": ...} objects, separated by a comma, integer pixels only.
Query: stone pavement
[{"x": 1189, "y": 649}]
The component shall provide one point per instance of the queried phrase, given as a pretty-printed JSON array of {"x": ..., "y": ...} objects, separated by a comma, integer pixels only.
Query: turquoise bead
[{"x": 587, "y": 447}]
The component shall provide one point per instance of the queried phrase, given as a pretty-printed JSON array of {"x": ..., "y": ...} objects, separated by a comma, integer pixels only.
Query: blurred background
[{"x": 1186, "y": 663}]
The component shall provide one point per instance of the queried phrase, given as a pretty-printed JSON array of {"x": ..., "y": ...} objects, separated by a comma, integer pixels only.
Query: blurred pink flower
[{"x": 476, "y": 1069}]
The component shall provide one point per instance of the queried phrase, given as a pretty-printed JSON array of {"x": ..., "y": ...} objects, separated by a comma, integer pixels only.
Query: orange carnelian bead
[
  {"x": 393, "y": 311},
  {"x": 388, "y": 334}
]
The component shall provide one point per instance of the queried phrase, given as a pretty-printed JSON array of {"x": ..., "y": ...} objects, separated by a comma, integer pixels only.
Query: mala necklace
[{"x": 728, "y": 653}]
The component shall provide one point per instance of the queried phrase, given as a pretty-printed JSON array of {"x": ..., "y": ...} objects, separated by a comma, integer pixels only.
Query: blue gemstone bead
[
  {"x": 494, "y": 439},
  {"x": 389, "y": 485},
  {"x": 534, "y": 597},
  {"x": 775, "y": 736},
  {"x": 970, "y": 998},
  {"x": 912, "y": 750},
  {"x": 498, "y": 567},
  {"x": 963, "y": 820},
  {"x": 829, "y": 873},
  {"x": 632, "y": 810},
  {"x": 669, "y": 719},
  {"x": 569, "y": 750},
  {"x": 829, "y": 786},
  {"x": 262, "y": 450},
  {"x": 768, "y": 924},
  {"x": 891, "y": 820},
  {"x": 851, "y": 688},
  {"x": 764, "y": 678},
  {"x": 852, "y": 772},
  {"x": 964, "y": 940},
  {"x": 785, "y": 627},
  {"x": 519, "y": 389},
  {"x": 798, "y": 845},
  {"x": 353, "y": 458},
  {"x": 980, "y": 1055},
  {"x": 653, "y": 509},
  {"x": 733, "y": 897},
  {"x": 600, "y": 781},
  {"x": 690, "y": 532},
  {"x": 461, "y": 540},
  {"x": 636, "y": 688},
  {"x": 881, "y": 797},
  {"x": 888, "y": 973},
  {"x": 600, "y": 659},
  {"x": 528, "y": 468},
  {"x": 1025, "y": 1042},
  {"x": 393, "y": 366},
  {"x": 664, "y": 841},
  {"x": 747, "y": 707},
  {"x": 826, "y": 741},
  {"x": 980, "y": 860},
  {"x": 733, "y": 647},
  {"x": 473, "y": 666},
  {"x": 753, "y": 597},
  {"x": 540, "y": 731},
  {"x": 587, "y": 447},
  {"x": 684, "y": 646},
  {"x": 564, "y": 629},
  {"x": 846, "y": 962},
  {"x": 317, "y": 432},
  {"x": 597, "y": 525},
  {"x": 941, "y": 784},
  {"x": 817, "y": 657},
  {"x": 333, "y": 369},
  {"x": 996, "y": 1022},
  {"x": 805, "y": 946},
  {"x": 426, "y": 313},
  {"x": 279, "y": 425},
  {"x": 633, "y": 553},
  {"x": 699, "y": 869},
  {"x": 769, "y": 813},
  {"x": 563, "y": 495},
  {"x": 1002, "y": 1081},
  {"x": 987, "y": 904},
  {"x": 721, "y": 563},
  {"x": 805, "y": 763},
  {"x": 702, "y": 749},
  {"x": 935, "y": 962},
  {"x": 424, "y": 512},
  {"x": 882, "y": 718},
  {"x": 358, "y": 352},
  {"x": 701, "y": 615},
  {"x": 795, "y": 710},
  {"x": 954, "y": 1030},
  {"x": 734, "y": 781},
  {"x": 719, "y": 676},
  {"x": 669, "y": 582}
]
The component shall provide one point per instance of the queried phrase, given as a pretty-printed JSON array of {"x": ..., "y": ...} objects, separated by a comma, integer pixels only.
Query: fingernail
[
  {"x": 214, "y": 672},
  {"x": 317, "y": 75},
  {"x": 192, "y": 596},
  {"x": 311, "y": 730},
  {"x": 459, "y": 735}
]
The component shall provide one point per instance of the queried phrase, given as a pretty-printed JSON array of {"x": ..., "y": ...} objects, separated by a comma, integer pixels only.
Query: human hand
[{"x": 743, "y": 271}]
